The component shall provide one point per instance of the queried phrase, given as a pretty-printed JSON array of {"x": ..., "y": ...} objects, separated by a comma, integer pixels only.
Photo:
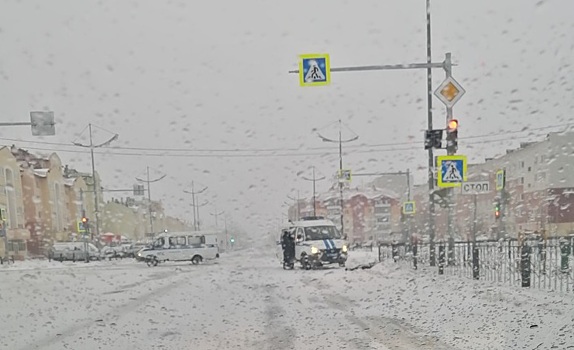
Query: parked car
[{"x": 73, "y": 251}]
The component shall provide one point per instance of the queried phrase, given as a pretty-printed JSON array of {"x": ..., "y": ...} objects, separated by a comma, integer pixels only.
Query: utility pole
[
  {"x": 95, "y": 183},
  {"x": 298, "y": 202},
  {"x": 193, "y": 203},
  {"x": 148, "y": 181},
  {"x": 225, "y": 227},
  {"x": 340, "y": 141},
  {"x": 431, "y": 165},
  {"x": 314, "y": 179},
  {"x": 215, "y": 214}
]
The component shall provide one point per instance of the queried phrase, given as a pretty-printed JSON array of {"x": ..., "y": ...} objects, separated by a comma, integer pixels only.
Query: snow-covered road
[{"x": 248, "y": 302}]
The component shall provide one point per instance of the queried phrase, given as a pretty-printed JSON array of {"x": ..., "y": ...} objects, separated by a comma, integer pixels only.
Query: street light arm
[
  {"x": 115, "y": 137},
  {"x": 80, "y": 145},
  {"x": 156, "y": 180},
  {"x": 325, "y": 139},
  {"x": 315, "y": 179}
]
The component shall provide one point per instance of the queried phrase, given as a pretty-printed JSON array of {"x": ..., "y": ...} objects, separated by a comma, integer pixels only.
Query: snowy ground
[{"x": 248, "y": 302}]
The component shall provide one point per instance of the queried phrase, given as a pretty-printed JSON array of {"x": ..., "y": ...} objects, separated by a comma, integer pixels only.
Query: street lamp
[
  {"x": 148, "y": 181},
  {"x": 215, "y": 215},
  {"x": 91, "y": 146},
  {"x": 314, "y": 179},
  {"x": 340, "y": 141},
  {"x": 193, "y": 194},
  {"x": 298, "y": 201}
]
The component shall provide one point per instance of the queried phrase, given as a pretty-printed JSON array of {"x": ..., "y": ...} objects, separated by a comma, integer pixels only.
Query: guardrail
[{"x": 531, "y": 263}]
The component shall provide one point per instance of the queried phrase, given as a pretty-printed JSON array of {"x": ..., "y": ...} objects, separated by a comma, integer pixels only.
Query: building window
[
  {"x": 521, "y": 165},
  {"x": 9, "y": 178},
  {"x": 522, "y": 181},
  {"x": 529, "y": 168}
]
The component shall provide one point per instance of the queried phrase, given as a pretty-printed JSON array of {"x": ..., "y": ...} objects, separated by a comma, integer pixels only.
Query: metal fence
[{"x": 532, "y": 263}]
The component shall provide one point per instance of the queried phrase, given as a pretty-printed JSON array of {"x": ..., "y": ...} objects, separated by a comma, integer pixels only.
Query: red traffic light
[{"x": 452, "y": 125}]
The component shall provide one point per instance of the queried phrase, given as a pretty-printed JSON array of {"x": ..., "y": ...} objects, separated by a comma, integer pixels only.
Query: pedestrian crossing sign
[
  {"x": 409, "y": 208},
  {"x": 82, "y": 227},
  {"x": 314, "y": 70},
  {"x": 452, "y": 171}
]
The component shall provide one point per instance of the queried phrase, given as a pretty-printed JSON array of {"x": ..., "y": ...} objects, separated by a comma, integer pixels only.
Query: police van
[
  {"x": 190, "y": 246},
  {"x": 318, "y": 242}
]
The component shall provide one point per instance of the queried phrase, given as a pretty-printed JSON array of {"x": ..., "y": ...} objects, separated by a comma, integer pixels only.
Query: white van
[
  {"x": 318, "y": 242},
  {"x": 179, "y": 246},
  {"x": 74, "y": 251}
]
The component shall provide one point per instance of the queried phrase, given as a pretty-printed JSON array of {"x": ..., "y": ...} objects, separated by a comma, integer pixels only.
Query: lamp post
[
  {"x": 340, "y": 141},
  {"x": 148, "y": 181},
  {"x": 314, "y": 179},
  {"x": 95, "y": 184},
  {"x": 215, "y": 214},
  {"x": 298, "y": 201},
  {"x": 195, "y": 208}
]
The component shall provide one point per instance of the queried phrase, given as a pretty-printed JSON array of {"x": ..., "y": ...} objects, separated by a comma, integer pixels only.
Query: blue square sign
[
  {"x": 452, "y": 171},
  {"x": 409, "y": 208},
  {"x": 314, "y": 69}
]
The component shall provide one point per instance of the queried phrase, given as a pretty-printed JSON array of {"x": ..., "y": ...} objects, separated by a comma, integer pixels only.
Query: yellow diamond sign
[{"x": 449, "y": 92}]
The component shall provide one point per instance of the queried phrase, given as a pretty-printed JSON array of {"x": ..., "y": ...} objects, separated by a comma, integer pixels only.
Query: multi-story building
[
  {"x": 47, "y": 199},
  {"x": 368, "y": 214},
  {"x": 538, "y": 194},
  {"x": 92, "y": 188},
  {"x": 76, "y": 190},
  {"x": 12, "y": 224}
]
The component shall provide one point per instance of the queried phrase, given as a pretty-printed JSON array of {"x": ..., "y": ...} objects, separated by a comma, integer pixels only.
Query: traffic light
[
  {"x": 84, "y": 220},
  {"x": 452, "y": 136},
  {"x": 497, "y": 210},
  {"x": 433, "y": 138}
]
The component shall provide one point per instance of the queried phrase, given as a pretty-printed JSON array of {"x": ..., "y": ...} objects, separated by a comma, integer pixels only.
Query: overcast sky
[{"x": 212, "y": 75}]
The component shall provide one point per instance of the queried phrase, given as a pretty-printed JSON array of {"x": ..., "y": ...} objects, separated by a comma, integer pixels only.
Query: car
[
  {"x": 318, "y": 242},
  {"x": 179, "y": 246}
]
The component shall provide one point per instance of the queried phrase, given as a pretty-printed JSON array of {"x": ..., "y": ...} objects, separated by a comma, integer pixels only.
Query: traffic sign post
[
  {"x": 500, "y": 185},
  {"x": 450, "y": 91},
  {"x": 314, "y": 70}
]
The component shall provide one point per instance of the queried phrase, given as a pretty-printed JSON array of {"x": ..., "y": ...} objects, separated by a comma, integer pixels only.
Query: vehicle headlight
[
  {"x": 314, "y": 250},
  {"x": 139, "y": 254},
  {"x": 344, "y": 248}
]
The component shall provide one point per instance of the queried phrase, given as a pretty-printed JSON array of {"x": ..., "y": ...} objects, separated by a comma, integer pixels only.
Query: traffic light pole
[
  {"x": 450, "y": 191},
  {"x": 447, "y": 66},
  {"x": 431, "y": 223}
]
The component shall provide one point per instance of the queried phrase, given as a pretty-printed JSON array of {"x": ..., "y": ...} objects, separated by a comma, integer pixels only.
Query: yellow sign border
[
  {"x": 439, "y": 161},
  {"x": 499, "y": 188},
  {"x": 80, "y": 227},
  {"x": 342, "y": 179},
  {"x": 414, "y": 207},
  {"x": 325, "y": 56}
]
